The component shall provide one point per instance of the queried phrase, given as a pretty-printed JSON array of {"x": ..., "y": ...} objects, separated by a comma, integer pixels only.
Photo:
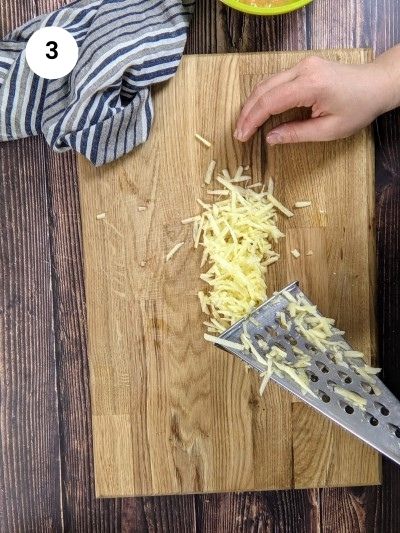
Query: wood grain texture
[
  {"x": 46, "y": 473},
  {"x": 171, "y": 414},
  {"x": 259, "y": 512},
  {"x": 176, "y": 399},
  {"x": 29, "y": 435},
  {"x": 214, "y": 28},
  {"x": 166, "y": 513},
  {"x": 376, "y": 25},
  {"x": 30, "y": 491},
  {"x": 81, "y": 511},
  {"x": 388, "y": 223},
  {"x": 387, "y": 134}
]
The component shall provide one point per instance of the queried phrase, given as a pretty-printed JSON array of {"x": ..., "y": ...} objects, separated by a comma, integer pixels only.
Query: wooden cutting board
[{"x": 172, "y": 414}]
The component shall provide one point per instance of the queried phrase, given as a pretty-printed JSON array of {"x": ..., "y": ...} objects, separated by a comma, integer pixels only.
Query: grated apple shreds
[
  {"x": 173, "y": 251},
  {"x": 237, "y": 235},
  {"x": 204, "y": 141},
  {"x": 318, "y": 331}
]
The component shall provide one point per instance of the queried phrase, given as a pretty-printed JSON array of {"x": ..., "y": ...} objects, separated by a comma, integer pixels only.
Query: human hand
[{"x": 343, "y": 99}]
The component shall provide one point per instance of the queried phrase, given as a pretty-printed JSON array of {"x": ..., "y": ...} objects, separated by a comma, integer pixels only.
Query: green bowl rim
[{"x": 265, "y": 11}]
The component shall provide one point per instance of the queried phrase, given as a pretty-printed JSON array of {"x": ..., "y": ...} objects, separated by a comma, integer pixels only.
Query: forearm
[{"x": 388, "y": 65}]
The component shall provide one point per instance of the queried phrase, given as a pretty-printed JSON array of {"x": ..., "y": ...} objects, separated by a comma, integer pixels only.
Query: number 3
[{"x": 53, "y": 49}]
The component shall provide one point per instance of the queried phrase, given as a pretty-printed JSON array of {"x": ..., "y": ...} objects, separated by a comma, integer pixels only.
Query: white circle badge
[{"x": 52, "y": 53}]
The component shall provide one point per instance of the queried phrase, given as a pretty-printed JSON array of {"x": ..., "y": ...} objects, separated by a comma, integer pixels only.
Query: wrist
[{"x": 387, "y": 76}]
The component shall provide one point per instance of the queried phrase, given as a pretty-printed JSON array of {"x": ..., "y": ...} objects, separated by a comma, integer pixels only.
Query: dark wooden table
[{"x": 46, "y": 470}]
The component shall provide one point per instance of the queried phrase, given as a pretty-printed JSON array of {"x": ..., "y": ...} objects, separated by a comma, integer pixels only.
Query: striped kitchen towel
[{"x": 102, "y": 109}]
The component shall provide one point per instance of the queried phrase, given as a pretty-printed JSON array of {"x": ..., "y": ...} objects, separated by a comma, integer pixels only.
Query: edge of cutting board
[{"x": 372, "y": 269}]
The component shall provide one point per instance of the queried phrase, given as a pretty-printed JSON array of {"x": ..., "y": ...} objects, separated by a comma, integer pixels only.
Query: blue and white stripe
[{"x": 103, "y": 109}]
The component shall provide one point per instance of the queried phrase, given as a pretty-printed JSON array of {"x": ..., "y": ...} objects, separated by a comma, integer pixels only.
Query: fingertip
[
  {"x": 274, "y": 137},
  {"x": 245, "y": 136},
  {"x": 240, "y": 127},
  {"x": 244, "y": 132},
  {"x": 238, "y": 134}
]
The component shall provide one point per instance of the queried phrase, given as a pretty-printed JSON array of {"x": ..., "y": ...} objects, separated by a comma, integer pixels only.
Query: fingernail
[
  {"x": 238, "y": 134},
  {"x": 274, "y": 138}
]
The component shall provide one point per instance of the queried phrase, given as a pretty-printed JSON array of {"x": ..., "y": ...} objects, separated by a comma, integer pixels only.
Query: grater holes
[
  {"x": 367, "y": 387},
  {"x": 291, "y": 340},
  {"x": 372, "y": 420},
  {"x": 344, "y": 377},
  {"x": 279, "y": 345},
  {"x": 286, "y": 313},
  {"x": 331, "y": 384},
  {"x": 271, "y": 331},
  {"x": 395, "y": 430},
  {"x": 349, "y": 409},
  {"x": 383, "y": 410},
  {"x": 324, "y": 397},
  {"x": 259, "y": 337},
  {"x": 331, "y": 356},
  {"x": 322, "y": 367},
  {"x": 310, "y": 347},
  {"x": 313, "y": 377}
]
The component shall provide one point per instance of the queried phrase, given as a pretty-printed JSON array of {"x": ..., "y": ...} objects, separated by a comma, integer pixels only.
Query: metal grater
[{"x": 378, "y": 425}]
